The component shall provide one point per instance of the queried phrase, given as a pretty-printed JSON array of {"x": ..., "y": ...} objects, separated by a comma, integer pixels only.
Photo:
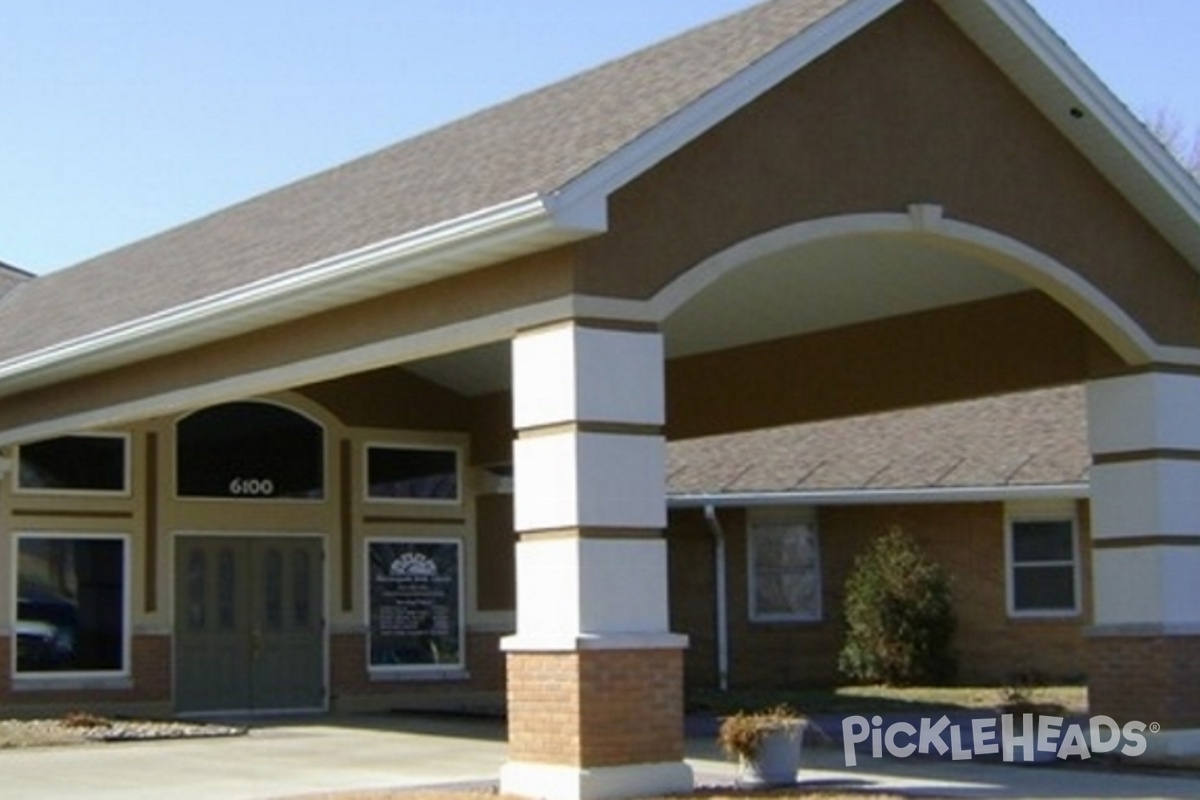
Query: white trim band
[
  {"x": 573, "y": 643},
  {"x": 819, "y": 497},
  {"x": 560, "y": 782}
]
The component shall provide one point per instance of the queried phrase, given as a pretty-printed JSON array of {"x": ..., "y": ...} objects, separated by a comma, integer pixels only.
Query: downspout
[{"x": 714, "y": 525}]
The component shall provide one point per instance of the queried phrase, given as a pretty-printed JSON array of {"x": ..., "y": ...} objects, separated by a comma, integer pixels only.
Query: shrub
[
  {"x": 742, "y": 734},
  {"x": 899, "y": 616}
]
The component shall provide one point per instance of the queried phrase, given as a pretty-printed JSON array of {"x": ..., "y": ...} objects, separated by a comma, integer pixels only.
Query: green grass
[{"x": 883, "y": 699}]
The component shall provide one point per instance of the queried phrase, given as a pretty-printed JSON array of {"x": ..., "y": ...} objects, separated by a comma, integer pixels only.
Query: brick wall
[
  {"x": 1145, "y": 678},
  {"x": 350, "y": 677},
  {"x": 968, "y": 539},
  {"x": 150, "y": 685},
  {"x": 596, "y": 708}
]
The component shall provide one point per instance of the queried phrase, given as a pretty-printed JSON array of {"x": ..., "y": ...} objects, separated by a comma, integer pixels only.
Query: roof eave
[
  {"x": 895, "y": 496},
  {"x": 508, "y": 230},
  {"x": 1020, "y": 42},
  {"x": 1086, "y": 112}
]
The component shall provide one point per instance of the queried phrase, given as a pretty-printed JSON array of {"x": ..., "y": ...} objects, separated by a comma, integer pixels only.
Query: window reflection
[{"x": 70, "y": 604}]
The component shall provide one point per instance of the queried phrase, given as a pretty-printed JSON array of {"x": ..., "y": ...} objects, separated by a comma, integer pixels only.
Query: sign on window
[{"x": 415, "y": 603}]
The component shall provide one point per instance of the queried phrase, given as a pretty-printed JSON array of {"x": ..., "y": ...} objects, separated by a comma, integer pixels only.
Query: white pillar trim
[
  {"x": 563, "y": 782},
  {"x": 572, "y": 588},
  {"x": 573, "y": 479},
  {"x": 1147, "y": 586},
  {"x": 589, "y": 405},
  {"x": 569, "y": 372},
  {"x": 1144, "y": 412},
  {"x": 1144, "y": 434},
  {"x": 607, "y": 641}
]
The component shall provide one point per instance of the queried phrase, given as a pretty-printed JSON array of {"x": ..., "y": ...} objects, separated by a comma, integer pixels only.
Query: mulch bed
[{"x": 90, "y": 729}]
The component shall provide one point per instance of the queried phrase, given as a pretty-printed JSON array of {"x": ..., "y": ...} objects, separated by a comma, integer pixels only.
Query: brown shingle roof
[
  {"x": 11, "y": 277},
  {"x": 534, "y": 144},
  {"x": 1036, "y": 438}
]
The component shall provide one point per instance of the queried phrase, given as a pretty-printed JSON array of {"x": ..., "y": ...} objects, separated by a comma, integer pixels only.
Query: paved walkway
[{"x": 302, "y": 757}]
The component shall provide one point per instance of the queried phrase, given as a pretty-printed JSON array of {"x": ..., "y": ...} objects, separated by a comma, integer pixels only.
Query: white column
[
  {"x": 590, "y": 509},
  {"x": 1144, "y": 434}
]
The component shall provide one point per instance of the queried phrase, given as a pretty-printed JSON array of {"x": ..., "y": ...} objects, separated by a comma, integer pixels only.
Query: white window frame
[
  {"x": 75, "y": 676},
  {"x": 755, "y": 528},
  {"x": 1011, "y": 566},
  {"x": 126, "y": 474},
  {"x": 457, "y": 450}
]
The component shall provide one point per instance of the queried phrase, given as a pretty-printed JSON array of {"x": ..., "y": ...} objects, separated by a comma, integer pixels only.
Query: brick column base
[
  {"x": 593, "y": 724},
  {"x": 1145, "y": 678}
]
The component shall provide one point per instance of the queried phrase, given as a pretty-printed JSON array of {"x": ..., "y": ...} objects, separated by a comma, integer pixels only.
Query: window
[
  {"x": 250, "y": 450},
  {"x": 412, "y": 473},
  {"x": 92, "y": 463},
  {"x": 415, "y": 604},
  {"x": 1043, "y": 565},
  {"x": 785, "y": 572},
  {"x": 71, "y": 609}
]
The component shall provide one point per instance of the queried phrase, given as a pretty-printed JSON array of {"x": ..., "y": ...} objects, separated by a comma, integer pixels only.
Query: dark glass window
[
  {"x": 249, "y": 450},
  {"x": 70, "y": 605},
  {"x": 1043, "y": 567},
  {"x": 411, "y": 473},
  {"x": 1044, "y": 588},
  {"x": 75, "y": 463}
]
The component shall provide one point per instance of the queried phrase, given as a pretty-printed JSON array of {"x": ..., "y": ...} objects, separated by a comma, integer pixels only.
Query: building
[
  {"x": 993, "y": 489},
  {"x": 263, "y": 459}
]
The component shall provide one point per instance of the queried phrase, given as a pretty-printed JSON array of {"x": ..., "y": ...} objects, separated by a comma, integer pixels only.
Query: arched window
[{"x": 250, "y": 450}]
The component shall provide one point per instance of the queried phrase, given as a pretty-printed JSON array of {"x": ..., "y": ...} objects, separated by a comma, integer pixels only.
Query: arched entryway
[{"x": 872, "y": 312}]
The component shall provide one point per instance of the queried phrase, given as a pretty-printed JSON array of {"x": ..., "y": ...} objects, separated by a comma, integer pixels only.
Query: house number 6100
[{"x": 252, "y": 487}]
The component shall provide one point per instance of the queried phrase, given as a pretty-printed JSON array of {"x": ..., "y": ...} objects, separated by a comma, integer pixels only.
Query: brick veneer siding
[
  {"x": 350, "y": 677},
  {"x": 967, "y": 538},
  {"x": 151, "y": 681},
  {"x": 596, "y": 708},
  {"x": 1145, "y": 678}
]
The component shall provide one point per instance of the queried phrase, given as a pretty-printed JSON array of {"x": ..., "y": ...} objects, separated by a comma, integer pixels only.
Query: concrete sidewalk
[
  {"x": 275, "y": 759},
  {"x": 333, "y": 754}
]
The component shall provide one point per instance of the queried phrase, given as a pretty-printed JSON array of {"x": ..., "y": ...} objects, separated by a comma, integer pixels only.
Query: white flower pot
[{"x": 777, "y": 760}]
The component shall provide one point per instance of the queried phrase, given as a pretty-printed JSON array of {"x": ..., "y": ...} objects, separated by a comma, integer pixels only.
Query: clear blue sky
[{"x": 125, "y": 117}]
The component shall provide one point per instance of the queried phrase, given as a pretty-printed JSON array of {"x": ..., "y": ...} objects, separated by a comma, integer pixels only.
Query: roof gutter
[
  {"x": 507, "y": 230},
  {"x": 955, "y": 494}
]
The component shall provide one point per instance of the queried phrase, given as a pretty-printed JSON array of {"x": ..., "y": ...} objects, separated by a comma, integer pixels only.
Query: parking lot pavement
[
  {"x": 276, "y": 759},
  {"x": 293, "y": 758}
]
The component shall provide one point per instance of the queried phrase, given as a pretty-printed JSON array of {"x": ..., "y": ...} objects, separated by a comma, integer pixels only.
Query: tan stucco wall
[
  {"x": 513, "y": 284},
  {"x": 987, "y": 347},
  {"x": 907, "y": 111}
]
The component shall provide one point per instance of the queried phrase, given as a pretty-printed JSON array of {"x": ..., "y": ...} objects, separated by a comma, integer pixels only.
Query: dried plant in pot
[{"x": 766, "y": 745}]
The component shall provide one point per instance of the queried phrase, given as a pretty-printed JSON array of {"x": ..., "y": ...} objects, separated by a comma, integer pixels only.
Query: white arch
[{"x": 1067, "y": 287}]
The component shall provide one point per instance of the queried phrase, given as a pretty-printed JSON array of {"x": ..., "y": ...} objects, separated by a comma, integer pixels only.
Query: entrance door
[{"x": 248, "y": 632}]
